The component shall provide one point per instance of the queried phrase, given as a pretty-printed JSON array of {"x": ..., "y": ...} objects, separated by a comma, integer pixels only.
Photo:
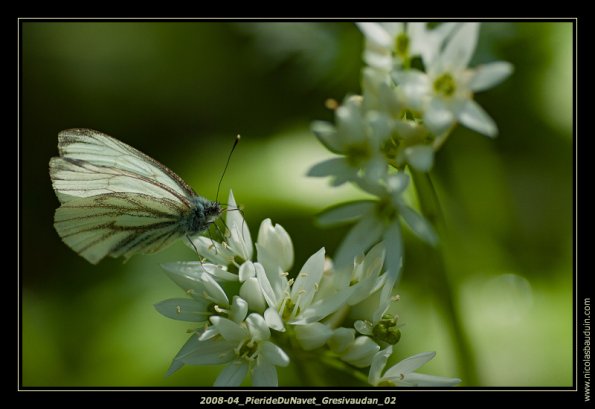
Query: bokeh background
[{"x": 181, "y": 91}]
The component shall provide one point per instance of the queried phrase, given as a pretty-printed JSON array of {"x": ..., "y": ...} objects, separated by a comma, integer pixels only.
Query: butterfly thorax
[{"x": 203, "y": 213}]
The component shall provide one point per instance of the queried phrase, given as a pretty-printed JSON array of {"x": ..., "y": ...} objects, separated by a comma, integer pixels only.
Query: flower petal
[
  {"x": 410, "y": 364},
  {"x": 344, "y": 213},
  {"x": 460, "y": 48},
  {"x": 350, "y": 122},
  {"x": 273, "y": 319},
  {"x": 327, "y": 135},
  {"x": 258, "y": 327},
  {"x": 363, "y": 327},
  {"x": 213, "y": 251},
  {"x": 419, "y": 225},
  {"x": 329, "y": 167},
  {"x": 184, "y": 309},
  {"x": 264, "y": 374},
  {"x": 341, "y": 339},
  {"x": 214, "y": 351},
  {"x": 393, "y": 28},
  {"x": 278, "y": 245},
  {"x": 375, "y": 169},
  {"x": 272, "y": 296},
  {"x": 473, "y": 116},
  {"x": 376, "y": 34},
  {"x": 415, "y": 86},
  {"x": 420, "y": 157},
  {"x": 252, "y": 293},
  {"x": 208, "y": 333},
  {"x": 273, "y": 354},
  {"x": 190, "y": 346},
  {"x": 394, "y": 261},
  {"x": 229, "y": 329},
  {"x": 247, "y": 270},
  {"x": 438, "y": 118},
  {"x": 323, "y": 307},
  {"x": 418, "y": 379},
  {"x": 306, "y": 283},
  {"x": 218, "y": 272},
  {"x": 238, "y": 309},
  {"x": 362, "y": 236},
  {"x": 397, "y": 183},
  {"x": 214, "y": 290},
  {"x": 187, "y": 277},
  {"x": 488, "y": 75},
  {"x": 378, "y": 363},
  {"x": 232, "y": 375},
  {"x": 312, "y": 336},
  {"x": 240, "y": 240},
  {"x": 361, "y": 352},
  {"x": 378, "y": 58}
]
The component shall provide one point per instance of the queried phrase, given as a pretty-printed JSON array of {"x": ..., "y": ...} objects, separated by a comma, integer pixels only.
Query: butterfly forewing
[{"x": 93, "y": 163}]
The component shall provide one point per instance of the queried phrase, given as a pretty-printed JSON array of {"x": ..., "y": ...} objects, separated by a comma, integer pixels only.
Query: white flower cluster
[
  {"x": 416, "y": 87},
  {"x": 252, "y": 317}
]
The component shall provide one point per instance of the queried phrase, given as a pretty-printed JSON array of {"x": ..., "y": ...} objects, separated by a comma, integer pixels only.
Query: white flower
[
  {"x": 445, "y": 93},
  {"x": 242, "y": 342},
  {"x": 358, "y": 137},
  {"x": 378, "y": 220},
  {"x": 409, "y": 142},
  {"x": 312, "y": 296},
  {"x": 393, "y": 45},
  {"x": 207, "y": 295},
  {"x": 254, "y": 353},
  {"x": 402, "y": 374}
]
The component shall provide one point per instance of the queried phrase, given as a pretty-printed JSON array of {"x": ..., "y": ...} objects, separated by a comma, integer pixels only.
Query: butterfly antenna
[{"x": 225, "y": 168}]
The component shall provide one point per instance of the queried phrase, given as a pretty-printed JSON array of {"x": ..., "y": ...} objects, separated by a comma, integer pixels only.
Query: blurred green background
[{"x": 181, "y": 91}]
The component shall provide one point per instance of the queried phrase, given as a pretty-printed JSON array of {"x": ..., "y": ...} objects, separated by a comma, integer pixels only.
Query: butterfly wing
[
  {"x": 92, "y": 163},
  {"x": 118, "y": 224},
  {"x": 116, "y": 200}
]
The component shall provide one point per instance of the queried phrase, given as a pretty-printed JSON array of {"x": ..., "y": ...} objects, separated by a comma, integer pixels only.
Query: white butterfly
[{"x": 117, "y": 201}]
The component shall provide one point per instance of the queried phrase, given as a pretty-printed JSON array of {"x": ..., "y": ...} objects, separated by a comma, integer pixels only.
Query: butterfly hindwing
[{"x": 119, "y": 224}]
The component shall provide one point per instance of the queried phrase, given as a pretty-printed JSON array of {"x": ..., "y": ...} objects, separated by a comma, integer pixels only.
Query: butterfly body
[
  {"x": 117, "y": 201},
  {"x": 203, "y": 213}
]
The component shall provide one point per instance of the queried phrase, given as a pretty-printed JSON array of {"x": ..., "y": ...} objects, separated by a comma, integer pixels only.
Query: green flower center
[
  {"x": 386, "y": 210},
  {"x": 288, "y": 309},
  {"x": 445, "y": 85},
  {"x": 248, "y": 350},
  {"x": 390, "y": 149},
  {"x": 402, "y": 45},
  {"x": 386, "y": 330},
  {"x": 358, "y": 154}
]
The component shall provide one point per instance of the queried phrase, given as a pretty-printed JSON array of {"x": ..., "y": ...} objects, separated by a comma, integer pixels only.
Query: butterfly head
[{"x": 212, "y": 210}]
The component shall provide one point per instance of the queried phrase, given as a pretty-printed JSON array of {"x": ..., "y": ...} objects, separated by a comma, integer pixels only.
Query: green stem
[
  {"x": 344, "y": 367},
  {"x": 310, "y": 365},
  {"x": 430, "y": 207}
]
